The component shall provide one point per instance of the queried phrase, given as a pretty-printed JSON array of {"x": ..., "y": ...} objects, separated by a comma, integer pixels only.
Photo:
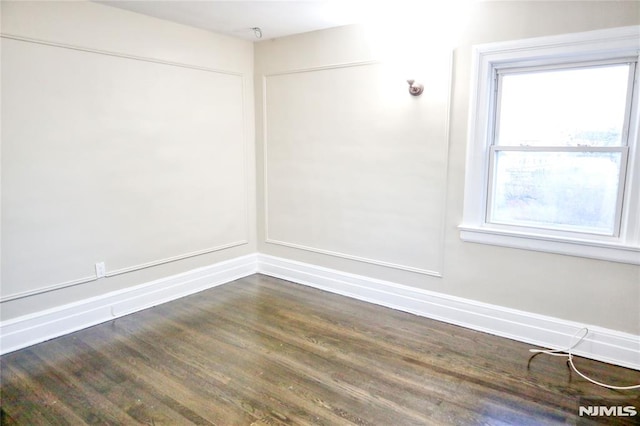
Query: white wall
[
  {"x": 358, "y": 176},
  {"x": 367, "y": 179},
  {"x": 126, "y": 140}
]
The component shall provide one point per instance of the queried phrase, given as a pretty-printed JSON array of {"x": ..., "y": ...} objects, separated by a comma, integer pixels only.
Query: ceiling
[{"x": 237, "y": 18}]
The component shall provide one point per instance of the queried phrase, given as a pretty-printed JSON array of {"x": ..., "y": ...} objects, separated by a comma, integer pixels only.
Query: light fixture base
[{"x": 415, "y": 89}]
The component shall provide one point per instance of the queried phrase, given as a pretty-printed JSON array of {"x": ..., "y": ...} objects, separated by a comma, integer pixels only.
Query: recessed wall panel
[
  {"x": 355, "y": 166},
  {"x": 116, "y": 159}
]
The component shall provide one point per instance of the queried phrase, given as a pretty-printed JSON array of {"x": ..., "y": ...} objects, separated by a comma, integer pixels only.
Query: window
[{"x": 553, "y": 160}]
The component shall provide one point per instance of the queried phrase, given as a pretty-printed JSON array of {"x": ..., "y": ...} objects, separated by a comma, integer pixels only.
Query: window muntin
[{"x": 559, "y": 154}]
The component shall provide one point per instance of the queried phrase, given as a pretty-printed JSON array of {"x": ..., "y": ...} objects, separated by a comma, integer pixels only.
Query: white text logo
[{"x": 603, "y": 410}]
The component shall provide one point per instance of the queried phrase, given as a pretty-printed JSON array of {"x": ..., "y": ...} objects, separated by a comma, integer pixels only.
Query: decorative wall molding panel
[
  {"x": 123, "y": 174},
  {"x": 375, "y": 190}
]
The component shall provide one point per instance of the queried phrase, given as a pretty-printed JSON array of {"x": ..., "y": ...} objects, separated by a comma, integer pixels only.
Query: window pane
[
  {"x": 569, "y": 107},
  {"x": 575, "y": 191}
]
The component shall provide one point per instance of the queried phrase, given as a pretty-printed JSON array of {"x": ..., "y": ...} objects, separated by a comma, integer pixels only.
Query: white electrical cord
[{"x": 567, "y": 353}]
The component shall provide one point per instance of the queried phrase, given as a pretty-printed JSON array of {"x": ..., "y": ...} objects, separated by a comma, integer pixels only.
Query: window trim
[{"x": 595, "y": 47}]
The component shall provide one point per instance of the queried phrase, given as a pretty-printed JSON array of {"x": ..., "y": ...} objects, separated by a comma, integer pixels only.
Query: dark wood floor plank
[
  {"x": 425, "y": 336},
  {"x": 263, "y": 351},
  {"x": 90, "y": 405},
  {"x": 374, "y": 349},
  {"x": 166, "y": 374},
  {"x": 479, "y": 351},
  {"x": 31, "y": 404},
  {"x": 305, "y": 351},
  {"x": 261, "y": 367},
  {"x": 202, "y": 369},
  {"x": 291, "y": 341},
  {"x": 154, "y": 393},
  {"x": 110, "y": 383}
]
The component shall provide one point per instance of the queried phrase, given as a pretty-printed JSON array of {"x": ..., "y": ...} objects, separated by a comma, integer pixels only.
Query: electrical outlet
[{"x": 100, "y": 270}]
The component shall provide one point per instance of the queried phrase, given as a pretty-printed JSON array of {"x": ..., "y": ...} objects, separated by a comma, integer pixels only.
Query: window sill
[{"x": 536, "y": 242}]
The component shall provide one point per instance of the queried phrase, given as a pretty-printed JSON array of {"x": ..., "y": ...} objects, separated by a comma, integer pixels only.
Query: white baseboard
[
  {"x": 35, "y": 328},
  {"x": 601, "y": 344}
]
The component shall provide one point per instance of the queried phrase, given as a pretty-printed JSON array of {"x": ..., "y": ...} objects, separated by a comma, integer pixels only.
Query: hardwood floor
[{"x": 262, "y": 351}]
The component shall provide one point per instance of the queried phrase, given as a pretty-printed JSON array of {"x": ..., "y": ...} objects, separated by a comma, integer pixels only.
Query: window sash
[
  {"x": 510, "y": 69},
  {"x": 559, "y": 230}
]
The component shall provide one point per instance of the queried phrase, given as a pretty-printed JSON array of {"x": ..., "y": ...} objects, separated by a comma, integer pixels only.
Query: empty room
[{"x": 320, "y": 212}]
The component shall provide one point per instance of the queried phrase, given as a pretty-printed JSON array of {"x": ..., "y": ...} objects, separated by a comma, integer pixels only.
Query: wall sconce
[{"x": 415, "y": 89}]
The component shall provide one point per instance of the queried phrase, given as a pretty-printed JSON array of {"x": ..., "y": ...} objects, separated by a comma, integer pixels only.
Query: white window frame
[{"x": 593, "y": 46}]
